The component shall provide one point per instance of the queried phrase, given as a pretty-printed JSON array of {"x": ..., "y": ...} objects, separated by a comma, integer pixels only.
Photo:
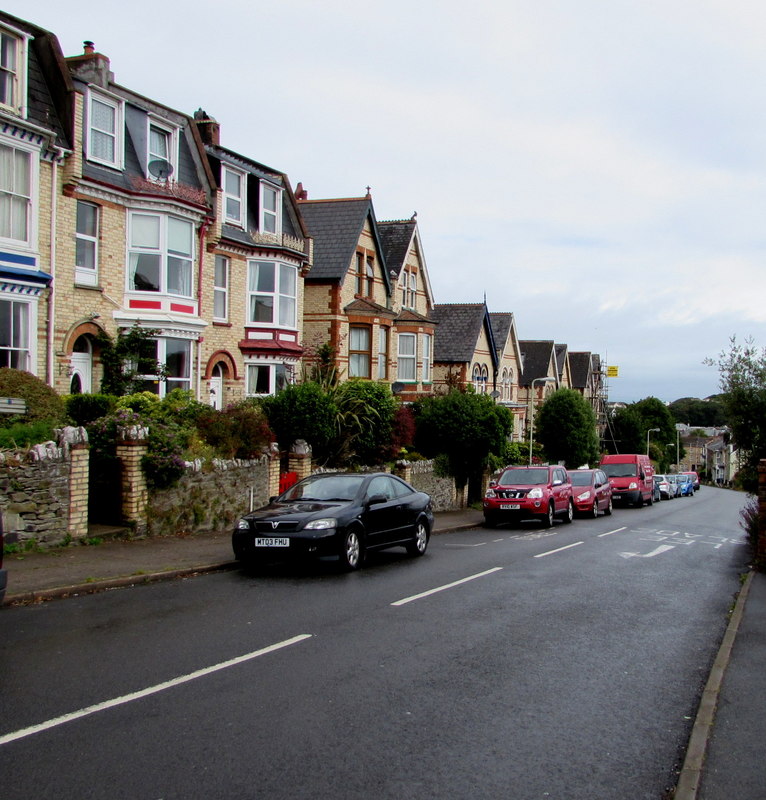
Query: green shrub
[
  {"x": 24, "y": 435},
  {"x": 42, "y": 402},
  {"x": 241, "y": 431},
  {"x": 84, "y": 408},
  {"x": 366, "y": 416}
]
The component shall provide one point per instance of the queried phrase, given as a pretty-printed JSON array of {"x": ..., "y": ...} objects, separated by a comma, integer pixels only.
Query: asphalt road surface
[{"x": 511, "y": 663}]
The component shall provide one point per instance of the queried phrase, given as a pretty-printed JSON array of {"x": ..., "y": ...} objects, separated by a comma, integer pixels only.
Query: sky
[{"x": 596, "y": 167}]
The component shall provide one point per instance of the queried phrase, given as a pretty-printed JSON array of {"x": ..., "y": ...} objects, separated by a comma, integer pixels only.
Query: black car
[{"x": 340, "y": 514}]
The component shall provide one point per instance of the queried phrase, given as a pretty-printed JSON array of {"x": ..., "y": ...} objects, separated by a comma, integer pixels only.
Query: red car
[
  {"x": 529, "y": 492},
  {"x": 591, "y": 491}
]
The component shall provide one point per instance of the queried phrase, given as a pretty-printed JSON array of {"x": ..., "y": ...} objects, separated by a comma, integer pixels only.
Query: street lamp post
[
  {"x": 651, "y": 430},
  {"x": 532, "y": 411}
]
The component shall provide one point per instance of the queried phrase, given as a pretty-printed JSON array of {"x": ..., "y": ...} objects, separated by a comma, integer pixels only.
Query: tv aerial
[{"x": 160, "y": 168}]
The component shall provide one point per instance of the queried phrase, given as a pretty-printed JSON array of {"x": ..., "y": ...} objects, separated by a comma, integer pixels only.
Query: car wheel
[
  {"x": 640, "y": 501},
  {"x": 547, "y": 520},
  {"x": 417, "y": 547},
  {"x": 608, "y": 509},
  {"x": 594, "y": 510},
  {"x": 569, "y": 516},
  {"x": 351, "y": 553}
]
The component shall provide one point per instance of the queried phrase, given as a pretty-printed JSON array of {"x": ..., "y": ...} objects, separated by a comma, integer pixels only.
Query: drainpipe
[
  {"x": 206, "y": 223},
  {"x": 58, "y": 153}
]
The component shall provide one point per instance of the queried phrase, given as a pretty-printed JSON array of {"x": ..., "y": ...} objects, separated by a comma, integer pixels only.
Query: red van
[{"x": 632, "y": 478}]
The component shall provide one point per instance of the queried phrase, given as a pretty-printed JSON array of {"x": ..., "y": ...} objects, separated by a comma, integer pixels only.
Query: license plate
[
  {"x": 272, "y": 542},
  {"x": 510, "y": 507}
]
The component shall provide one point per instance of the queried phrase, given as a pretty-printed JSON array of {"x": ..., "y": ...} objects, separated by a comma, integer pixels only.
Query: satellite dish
[
  {"x": 494, "y": 394},
  {"x": 160, "y": 168},
  {"x": 397, "y": 387}
]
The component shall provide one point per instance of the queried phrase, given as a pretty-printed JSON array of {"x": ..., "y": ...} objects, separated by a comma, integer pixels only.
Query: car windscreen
[
  {"x": 626, "y": 470},
  {"x": 525, "y": 477},
  {"x": 325, "y": 487},
  {"x": 580, "y": 478}
]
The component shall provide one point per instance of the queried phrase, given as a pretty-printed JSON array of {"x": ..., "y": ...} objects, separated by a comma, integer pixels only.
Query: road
[{"x": 512, "y": 663}]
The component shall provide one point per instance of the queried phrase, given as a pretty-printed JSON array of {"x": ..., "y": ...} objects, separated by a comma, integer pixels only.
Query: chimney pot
[{"x": 89, "y": 48}]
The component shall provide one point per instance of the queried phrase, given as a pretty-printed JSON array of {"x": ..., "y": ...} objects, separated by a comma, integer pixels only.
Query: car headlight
[
  {"x": 490, "y": 493},
  {"x": 633, "y": 485},
  {"x": 535, "y": 493},
  {"x": 321, "y": 524},
  {"x": 584, "y": 496},
  {"x": 243, "y": 525}
]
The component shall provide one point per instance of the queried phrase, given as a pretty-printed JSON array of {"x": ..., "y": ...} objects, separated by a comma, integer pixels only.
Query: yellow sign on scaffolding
[{"x": 612, "y": 372}]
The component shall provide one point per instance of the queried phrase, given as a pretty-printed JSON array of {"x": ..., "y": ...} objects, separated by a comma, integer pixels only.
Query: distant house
[
  {"x": 508, "y": 368},
  {"x": 563, "y": 367},
  {"x": 465, "y": 351},
  {"x": 540, "y": 375},
  {"x": 373, "y": 314}
]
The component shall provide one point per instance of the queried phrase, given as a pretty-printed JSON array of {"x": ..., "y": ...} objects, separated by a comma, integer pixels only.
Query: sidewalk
[
  {"x": 80, "y": 569},
  {"x": 726, "y": 751}
]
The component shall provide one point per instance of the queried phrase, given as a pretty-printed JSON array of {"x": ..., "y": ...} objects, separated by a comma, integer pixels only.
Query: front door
[{"x": 82, "y": 373}]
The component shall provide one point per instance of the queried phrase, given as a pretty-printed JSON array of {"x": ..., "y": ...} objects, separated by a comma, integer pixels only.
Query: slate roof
[
  {"x": 458, "y": 330},
  {"x": 336, "y": 226},
  {"x": 501, "y": 327},
  {"x": 561, "y": 358},
  {"x": 536, "y": 355},
  {"x": 396, "y": 236},
  {"x": 580, "y": 367}
]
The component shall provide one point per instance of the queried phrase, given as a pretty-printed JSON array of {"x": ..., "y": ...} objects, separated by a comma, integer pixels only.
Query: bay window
[
  {"x": 425, "y": 343},
  {"x": 175, "y": 357},
  {"x": 161, "y": 253},
  {"x": 266, "y": 378},
  {"x": 383, "y": 353},
  {"x": 272, "y": 289},
  {"x": 221, "y": 288},
  {"x": 86, "y": 244},
  {"x": 359, "y": 351},
  {"x": 407, "y": 370}
]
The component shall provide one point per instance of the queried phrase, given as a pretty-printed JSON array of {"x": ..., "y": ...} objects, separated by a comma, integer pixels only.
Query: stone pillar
[
  {"x": 404, "y": 470},
  {"x": 131, "y": 448},
  {"x": 275, "y": 466},
  {"x": 79, "y": 475},
  {"x": 760, "y": 550},
  {"x": 299, "y": 459}
]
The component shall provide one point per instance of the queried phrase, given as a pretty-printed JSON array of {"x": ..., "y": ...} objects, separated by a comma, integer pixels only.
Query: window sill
[{"x": 221, "y": 324}]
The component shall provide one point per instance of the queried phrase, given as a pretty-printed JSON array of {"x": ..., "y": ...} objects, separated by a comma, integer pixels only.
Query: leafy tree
[
  {"x": 366, "y": 420},
  {"x": 626, "y": 431},
  {"x": 466, "y": 428},
  {"x": 303, "y": 411},
  {"x": 43, "y": 404},
  {"x": 698, "y": 413},
  {"x": 566, "y": 428},
  {"x": 743, "y": 383}
]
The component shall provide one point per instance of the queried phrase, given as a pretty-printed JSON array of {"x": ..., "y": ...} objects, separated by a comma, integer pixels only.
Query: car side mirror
[
  {"x": 376, "y": 499},
  {"x": 493, "y": 482}
]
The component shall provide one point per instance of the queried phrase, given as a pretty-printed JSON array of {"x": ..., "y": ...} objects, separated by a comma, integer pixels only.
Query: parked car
[
  {"x": 591, "y": 491},
  {"x": 656, "y": 496},
  {"x": 674, "y": 487},
  {"x": 337, "y": 514},
  {"x": 661, "y": 483},
  {"x": 631, "y": 477},
  {"x": 685, "y": 485},
  {"x": 529, "y": 492},
  {"x": 695, "y": 479}
]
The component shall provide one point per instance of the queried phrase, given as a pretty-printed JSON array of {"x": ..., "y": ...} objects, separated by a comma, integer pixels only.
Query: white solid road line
[
  {"x": 160, "y": 687},
  {"x": 557, "y": 550},
  {"x": 446, "y": 586},
  {"x": 609, "y": 533}
]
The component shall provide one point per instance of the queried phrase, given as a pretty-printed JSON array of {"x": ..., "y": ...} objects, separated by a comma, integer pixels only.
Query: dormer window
[
  {"x": 104, "y": 131},
  {"x": 162, "y": 148},
  {"x": 271, "y": 208},
  {"x": 233, "y": 184},
  {"x": 12, "y": 70}
]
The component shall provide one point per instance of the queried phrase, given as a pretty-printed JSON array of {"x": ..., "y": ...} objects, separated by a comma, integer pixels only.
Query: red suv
[{"x": 523, "y": 492}]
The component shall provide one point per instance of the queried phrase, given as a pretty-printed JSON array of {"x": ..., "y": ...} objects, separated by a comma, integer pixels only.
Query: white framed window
[
  {"x": 104, "y": 135},
  {"x": 175, "y": 356},
  {"x": 266, "y": 378},
  {"x": 160, "y": 254},
  {"x": 272, "y": 289},
  {"x": 13, "y": 72},
  {"x": 162, "y": 145},
  {"x": 271, "y": 209},
  {"x": 86, "y": 244},
  {"x": 359, "y": 355},
  {"x": 233, "y": 183},
  {"x": 221, "y": 288},
  {"x": 15, "y": 334},
  {"x": 407, "y": 357},
  {"x": 383, "y": 353},
  {"x": 18, "y": 172},
  {"x": 425, "y": 347},
  {"x": 477, "y": 378},
  {"x": 412, "y": 302}
]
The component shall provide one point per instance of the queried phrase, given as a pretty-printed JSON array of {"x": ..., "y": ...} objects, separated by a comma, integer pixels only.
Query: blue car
[{"x": 685, "y": 486}]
